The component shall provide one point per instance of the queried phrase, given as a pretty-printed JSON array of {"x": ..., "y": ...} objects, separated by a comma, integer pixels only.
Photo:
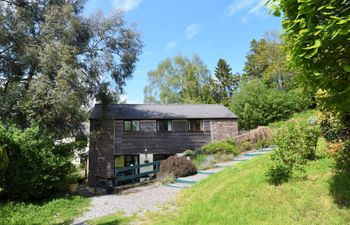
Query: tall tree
[
  {"x": 178, "y": 80},
  {"x": 267, "y": 60},
  {"x": 224, "y": 82},
  {"x": 53, "y": 60}
]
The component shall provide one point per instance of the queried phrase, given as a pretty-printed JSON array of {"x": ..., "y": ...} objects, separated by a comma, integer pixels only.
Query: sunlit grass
[{"x": 57, "y": 211}]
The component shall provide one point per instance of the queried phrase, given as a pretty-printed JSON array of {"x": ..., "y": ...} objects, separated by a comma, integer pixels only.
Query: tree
[
  {"x": 257, "y": 104},
  {"x": 178, "y": 80},
  {"x": 224, "y": 82},
  {"x": 267, "y": 60},
  {"x": 54, "y": 60},
  {"x": 319, "y": 35}
]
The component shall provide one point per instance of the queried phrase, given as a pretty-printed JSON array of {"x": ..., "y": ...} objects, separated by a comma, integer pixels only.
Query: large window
[
  {"x": 131, "y": 125},
  {"x": 195, "y": 125},
  {"x": 164, "y": 125}
]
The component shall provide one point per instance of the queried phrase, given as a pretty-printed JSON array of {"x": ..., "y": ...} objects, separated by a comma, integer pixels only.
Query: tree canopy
[{"x": 178, "y": 80}]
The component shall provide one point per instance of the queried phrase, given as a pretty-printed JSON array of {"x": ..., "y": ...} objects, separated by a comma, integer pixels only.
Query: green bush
[
  {"x": 188, "y": 153},
  {"x": 38, "y": 168},
  {"x": 289, "y": 155},
  {"x": 310, "y": 139},
  {"x": 178, "y": 166},
  {"x": 225, "y": 146},
  {"x": 257, "y": 104},
  {"x": 342, "y": 158}
]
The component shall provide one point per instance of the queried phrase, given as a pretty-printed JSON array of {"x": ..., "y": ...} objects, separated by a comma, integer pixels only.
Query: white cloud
[
  {"x": 170, "y": 45},
  {"x": 126, "y": 5},
  {"x": 259, "y": 8},
  {"x": 239, "y": 5},
  {"x": 256, "y": 7},
  {"x": 192, "y": 30}
]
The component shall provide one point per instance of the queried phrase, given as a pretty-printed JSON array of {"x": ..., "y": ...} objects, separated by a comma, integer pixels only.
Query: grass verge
[
  {"x": 114, "y": 219},
  {"x": 57, "y": 211}
]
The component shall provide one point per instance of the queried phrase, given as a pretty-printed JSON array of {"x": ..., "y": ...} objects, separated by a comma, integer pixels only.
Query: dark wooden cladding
[{"x": 178, "y": 140}]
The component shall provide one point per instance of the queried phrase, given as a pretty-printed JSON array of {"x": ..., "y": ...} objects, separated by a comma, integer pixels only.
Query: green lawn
[
  {"x": 57, "y": 211},
  {"x": 242, "y": 195},
  {"x": 115, "y": 219}
]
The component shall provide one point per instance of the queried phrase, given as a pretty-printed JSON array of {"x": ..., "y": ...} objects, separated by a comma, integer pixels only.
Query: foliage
[
  {"x": 224, "y": 83},
  {"x": 38, "y": 167},
  {"x": 188, "y": 153},
  {"x": 225, "y": 146},
  {"x": 296, "y": 145},
  {"x": 332, "y": 127},
  {"x": 57, "y": 211},
  {"x": 178, "y": 80},
  {"x": 342, "y": 157},
  {"x": 54, "y": 60},
  {"x": 3, "y": 165},
  {"x": 286, "y": 156},
  {"x": 256, "y": 104},
  {"x": 310, "y": 140},
  {"x": 318, "y": 32},
  {"x": 267, "y": 60},
  {"x": 178, "y": 166}
]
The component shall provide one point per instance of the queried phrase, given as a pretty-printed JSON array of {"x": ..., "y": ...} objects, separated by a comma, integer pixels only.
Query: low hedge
[{"x": 225, "y": 146}]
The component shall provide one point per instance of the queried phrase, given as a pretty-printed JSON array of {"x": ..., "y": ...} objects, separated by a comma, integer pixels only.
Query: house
[{"x": 123, "y": 135}]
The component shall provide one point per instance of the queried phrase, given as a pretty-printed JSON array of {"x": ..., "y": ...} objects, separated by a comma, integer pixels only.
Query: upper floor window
[
  {"x": 164, "y": 125},
  {"x": 195, "y": 125},
  {"x": 131, "y": 125}
]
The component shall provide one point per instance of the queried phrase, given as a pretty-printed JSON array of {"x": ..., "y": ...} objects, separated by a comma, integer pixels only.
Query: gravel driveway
[{"x": 149, "y": 197}]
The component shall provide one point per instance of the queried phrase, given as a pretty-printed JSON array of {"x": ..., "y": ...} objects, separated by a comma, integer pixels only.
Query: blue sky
[{"x": 212, "y": 29}]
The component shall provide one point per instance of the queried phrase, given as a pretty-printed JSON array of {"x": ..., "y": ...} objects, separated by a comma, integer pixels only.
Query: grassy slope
[
  {"x": 241, "y": 195},
  {"x": 58, "y": 211}
]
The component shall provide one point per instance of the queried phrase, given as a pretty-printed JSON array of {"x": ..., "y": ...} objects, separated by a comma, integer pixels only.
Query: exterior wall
[
  {"x": 101, "y": 158},
  {"x": 155, "y": 142},
  {"x": 224, "y": 128}
]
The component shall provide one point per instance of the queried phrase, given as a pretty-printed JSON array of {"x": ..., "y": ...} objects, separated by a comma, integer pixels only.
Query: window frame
[
  {"x": 168, "y": 122},
  {"x": 132, "y": 126},
  {"x": 201, "y": 126}
]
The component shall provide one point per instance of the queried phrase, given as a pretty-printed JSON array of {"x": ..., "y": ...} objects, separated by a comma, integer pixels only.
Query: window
[
  {"x": 195, "y": 125},
  {"x": 164, "y": 125},
  {"x": 131, "y": 125}
]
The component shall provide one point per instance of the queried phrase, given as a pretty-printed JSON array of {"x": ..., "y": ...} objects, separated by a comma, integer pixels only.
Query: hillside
[{"x": 242, "y": 195}]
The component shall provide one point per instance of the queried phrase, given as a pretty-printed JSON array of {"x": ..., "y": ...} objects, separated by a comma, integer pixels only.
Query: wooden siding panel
[{"x": 176, "y": 141}]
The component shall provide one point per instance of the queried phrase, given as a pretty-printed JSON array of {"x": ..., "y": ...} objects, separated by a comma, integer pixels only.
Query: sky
[{"x": 212, "y": 29}]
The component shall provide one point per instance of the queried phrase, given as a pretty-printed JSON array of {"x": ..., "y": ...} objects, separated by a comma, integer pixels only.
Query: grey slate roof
[{"x": 152, "y": 111}]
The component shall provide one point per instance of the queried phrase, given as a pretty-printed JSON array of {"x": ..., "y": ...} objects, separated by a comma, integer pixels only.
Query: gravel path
[{"x": 149, "y": 197}]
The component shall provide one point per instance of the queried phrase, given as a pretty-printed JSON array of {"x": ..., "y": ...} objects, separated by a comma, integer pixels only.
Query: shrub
[
  {"x": 331, "y": 126},
  {"x": 165, "y": 178},
  {"x": 225, "y": 146},
  {"x": 342, "y": 157},
  {"x": 38, "y": 168},
  {"x": 310, "y": 139},
  {"x": 288, "y": 155},
  {"x": 178, "y": 166},
  {"x": 188, "y": 153}
]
